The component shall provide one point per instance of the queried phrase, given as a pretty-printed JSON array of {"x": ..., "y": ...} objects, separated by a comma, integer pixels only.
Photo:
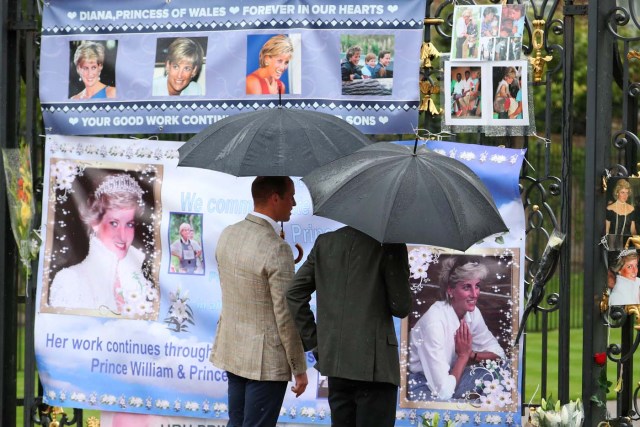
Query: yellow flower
[{"x": 25, "y": 214}]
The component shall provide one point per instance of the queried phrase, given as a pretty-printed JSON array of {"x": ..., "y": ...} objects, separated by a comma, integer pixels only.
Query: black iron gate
[{"x": 608, "y": 116}]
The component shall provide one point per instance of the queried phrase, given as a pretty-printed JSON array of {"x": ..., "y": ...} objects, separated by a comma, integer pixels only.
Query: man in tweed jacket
[{"x": 256, "y": 341}]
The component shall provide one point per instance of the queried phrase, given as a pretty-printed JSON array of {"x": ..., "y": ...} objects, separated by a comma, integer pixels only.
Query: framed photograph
[
  {"x": 465, "y": 318},
  {"x": 622, "y": 278},
  {"x": 102, "y": 253},
  {"x": 623, "y": 206}
]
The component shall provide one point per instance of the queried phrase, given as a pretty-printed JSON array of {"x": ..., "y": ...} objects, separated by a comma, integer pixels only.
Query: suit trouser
[
  {"x": 362, "y": 403},
  {"x": 254, "y": 403}
]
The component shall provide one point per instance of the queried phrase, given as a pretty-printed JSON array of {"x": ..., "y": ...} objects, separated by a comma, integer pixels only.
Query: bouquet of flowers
[
  {"x": 553, "y": 414},
  {"x": 17, "y": 168}
]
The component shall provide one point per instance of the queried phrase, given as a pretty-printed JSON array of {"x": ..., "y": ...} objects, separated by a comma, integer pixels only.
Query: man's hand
[{"x": 301, "y": 382}]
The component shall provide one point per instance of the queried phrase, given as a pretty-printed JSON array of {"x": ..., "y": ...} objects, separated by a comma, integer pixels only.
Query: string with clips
[{"x": 426, "y": 135}]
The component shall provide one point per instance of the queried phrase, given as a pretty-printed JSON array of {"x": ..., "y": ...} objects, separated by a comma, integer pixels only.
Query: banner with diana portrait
[{"x": 176, "y": 67}]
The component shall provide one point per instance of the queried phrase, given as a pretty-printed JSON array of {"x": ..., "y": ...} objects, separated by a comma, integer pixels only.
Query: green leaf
[{"x": 500, "y": 240}]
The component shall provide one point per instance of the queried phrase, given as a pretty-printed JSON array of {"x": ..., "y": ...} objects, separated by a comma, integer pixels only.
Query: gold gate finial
[{"x": 538, "y": 61}]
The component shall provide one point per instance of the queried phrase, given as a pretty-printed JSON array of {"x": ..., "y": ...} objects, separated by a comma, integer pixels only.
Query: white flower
[
  {"x": 192, "y": 406},
  {"x": 487, "y": 401},
  {"x": 132, "y": 296},
  {"x": 492, "y": 386},
  {"x": 128, "y": 310},
  {"x": 162, "y": 404},
  {"x": 467, "y": 155},
  {"x": 143, "y": 307},
  {"x": 51, "y": 395},
  {"x": 503, "y": 399},
  {"x": 508, "y": 383},
  {"x": 220, "y": 407},
  {"x": 108, "y": 399},
  {"x": 135, "y": 402},
  {"x": 78, "y": 397},
  {"x": 151, "y": 294}
]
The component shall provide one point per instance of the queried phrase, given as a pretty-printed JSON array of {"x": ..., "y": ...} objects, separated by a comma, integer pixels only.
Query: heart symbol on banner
[
  {"x": 384, "y": 120},
  {"x": 73, "y": 120},
  {"x": 71, "y": 15},
  {"x": 234, "y": 9},
  {"x": 392, "y": 8}
]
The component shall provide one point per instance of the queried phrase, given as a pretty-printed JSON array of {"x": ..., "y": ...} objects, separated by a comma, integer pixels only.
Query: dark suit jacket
[{"x": 360, "y": 284}]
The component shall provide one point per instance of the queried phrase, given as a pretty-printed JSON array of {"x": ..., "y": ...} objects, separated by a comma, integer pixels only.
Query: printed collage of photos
[
  {"x": 622, "y": 240},
  {"x": 487, "y": 33},
  {"x": 273, "y": 65},
  {"x": 486, "y": 47}
]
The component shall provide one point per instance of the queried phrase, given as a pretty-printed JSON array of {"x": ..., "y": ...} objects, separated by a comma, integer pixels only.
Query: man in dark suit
[{"x": 360, "y": 285}]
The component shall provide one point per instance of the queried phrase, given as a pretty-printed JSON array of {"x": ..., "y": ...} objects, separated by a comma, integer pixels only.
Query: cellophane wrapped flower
[
  {"x": 553, "y": 414},
  {"x": 17, "y": 167}
]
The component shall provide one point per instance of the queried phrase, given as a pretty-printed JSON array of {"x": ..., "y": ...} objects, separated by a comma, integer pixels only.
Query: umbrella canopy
[
  {"x": 273, "y": 142},
  {"x": 396, "y": 196}
]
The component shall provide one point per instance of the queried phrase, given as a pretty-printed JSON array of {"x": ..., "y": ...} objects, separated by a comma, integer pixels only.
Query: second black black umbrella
[{"x": 397, "y": 194}]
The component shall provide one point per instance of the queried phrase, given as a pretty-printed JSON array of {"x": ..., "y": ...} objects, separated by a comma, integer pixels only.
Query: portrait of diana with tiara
[{"x": 113, "y": 279}]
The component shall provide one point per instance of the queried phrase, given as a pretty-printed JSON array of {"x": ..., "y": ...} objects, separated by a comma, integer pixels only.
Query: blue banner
[
  {"x": 176, "y": 67},
  {"x": 134, "y": 336}
]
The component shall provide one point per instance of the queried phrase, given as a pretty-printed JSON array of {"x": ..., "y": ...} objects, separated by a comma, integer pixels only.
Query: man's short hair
[
  {"x": 264, "y": 187},
  {"x": 383, "y": 53}
]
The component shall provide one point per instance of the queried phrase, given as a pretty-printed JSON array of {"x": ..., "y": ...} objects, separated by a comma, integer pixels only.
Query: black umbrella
[
  {"x": 272, "y": 142},
  {"x": 399, "y": 195}
]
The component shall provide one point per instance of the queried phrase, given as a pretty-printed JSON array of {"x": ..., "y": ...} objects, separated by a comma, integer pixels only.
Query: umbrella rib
[
  {"x": 395, "y": 192},
  {"x": 448, "y": 196}
]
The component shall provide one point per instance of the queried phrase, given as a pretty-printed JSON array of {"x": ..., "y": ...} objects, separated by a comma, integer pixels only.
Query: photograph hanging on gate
[
  {"x": 487, "y": 33},
  {"x": 456, "y": 345},
  {"x": 466, "y": 95},
  {"x": 509, "y": 88},
  {"x": 622, "y": 213},
  {"x": 102, "y": 251},
  {"x": 623, "y": 284}
]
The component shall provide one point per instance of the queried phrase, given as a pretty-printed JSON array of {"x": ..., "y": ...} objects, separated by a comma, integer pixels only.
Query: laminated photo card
[
  {"x": 487, "y": 33},
  {"x": 487, "y": 94}
]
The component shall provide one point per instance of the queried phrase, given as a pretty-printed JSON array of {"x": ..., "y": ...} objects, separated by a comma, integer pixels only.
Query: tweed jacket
[
  {"x": 256, "y": 337},
  {"x": 360, "y": 285}
]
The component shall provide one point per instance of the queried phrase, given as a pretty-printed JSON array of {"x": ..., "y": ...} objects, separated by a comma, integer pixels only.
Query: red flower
[{"x": 600, "y": 358}]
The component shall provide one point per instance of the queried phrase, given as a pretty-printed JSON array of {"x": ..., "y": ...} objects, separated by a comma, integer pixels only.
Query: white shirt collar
[{"x": 274, "y": 224}]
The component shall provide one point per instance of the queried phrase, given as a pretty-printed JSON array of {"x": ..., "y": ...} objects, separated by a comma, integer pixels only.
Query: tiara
[
  {"x": 625, "y": 252},
  {"x": 122, "y": 183}
]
